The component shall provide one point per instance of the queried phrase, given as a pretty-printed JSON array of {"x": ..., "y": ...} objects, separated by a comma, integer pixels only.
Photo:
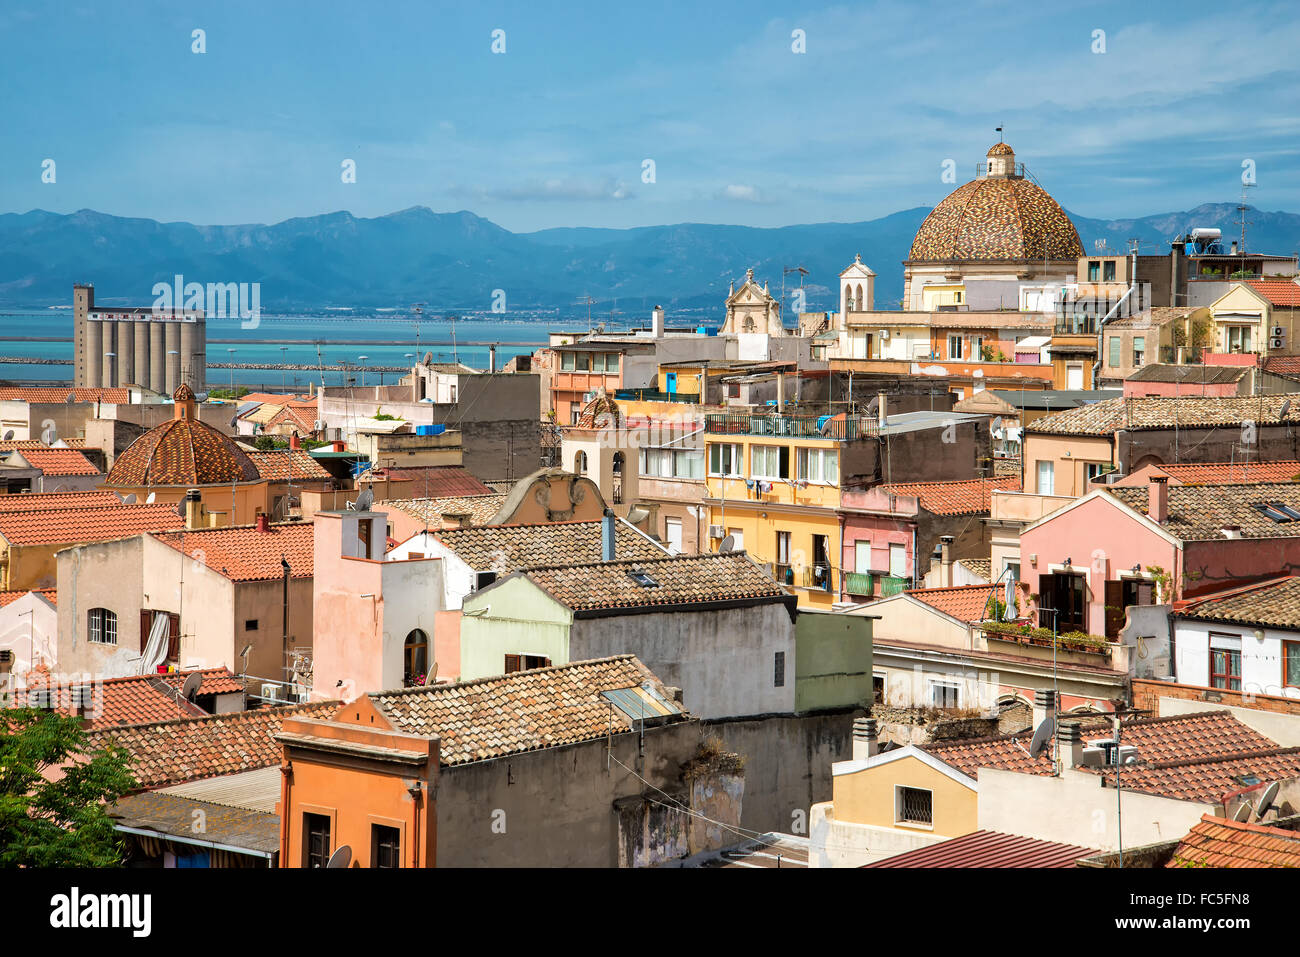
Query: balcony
[
  {"x": 819, "y": 577},
  {"x": 789, "y": 426},
  {"x": 652, "y": 395}
]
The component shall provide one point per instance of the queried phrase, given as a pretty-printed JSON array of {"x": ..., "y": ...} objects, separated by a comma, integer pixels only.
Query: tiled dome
[
  {"x": 999, "y": 219},
  {"x": 183, "y": 451},
  {"x": 1000, "y": 149}
]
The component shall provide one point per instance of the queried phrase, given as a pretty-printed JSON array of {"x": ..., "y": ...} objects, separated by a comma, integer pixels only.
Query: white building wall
[{"x": 1261, "y": 655}]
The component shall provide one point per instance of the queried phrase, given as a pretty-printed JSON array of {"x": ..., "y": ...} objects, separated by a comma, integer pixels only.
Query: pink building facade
[{"x": 879, "y": 535}]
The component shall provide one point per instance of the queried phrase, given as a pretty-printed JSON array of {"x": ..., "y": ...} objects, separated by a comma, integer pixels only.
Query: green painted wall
[
  {"x": 520, "y": 619},
  {"x": 832, "y": 661}
]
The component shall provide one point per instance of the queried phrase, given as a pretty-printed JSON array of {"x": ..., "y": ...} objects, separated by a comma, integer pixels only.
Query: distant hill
[{"x": 454, "y": 261}]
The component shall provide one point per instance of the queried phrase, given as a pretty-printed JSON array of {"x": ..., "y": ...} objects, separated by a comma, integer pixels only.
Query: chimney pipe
[
  {"x": 263, "y": 522},
  {"x": 882, "y": 409},
  {"x": 1045, "y": 702},
  {"x": 865, "y": 742},
  {"x": 1158, "y": 499},
  {"x": 945, "y": 561},
  {"x": 492, "y": 357},
  {"x": 657, "y": 322},
  {"x": 294, "y": 442},
  {"x": 780, "y": 390},
  {"x": 1231, "y": 531},
  {"x": 193, "y": 509},
  {"x": 607, "y": 536},
  {"x": 1070, "y": 743}
]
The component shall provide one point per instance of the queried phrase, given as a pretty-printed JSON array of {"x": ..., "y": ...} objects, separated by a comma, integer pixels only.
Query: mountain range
[{"x": 455, "y": 261}]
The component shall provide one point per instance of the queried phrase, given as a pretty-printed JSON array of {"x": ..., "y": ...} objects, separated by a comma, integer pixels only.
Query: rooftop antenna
[
  {"x": 999, "y": 132},
  {"x": 1242, "y": 209},
  {"x": 586, "y": 298}
]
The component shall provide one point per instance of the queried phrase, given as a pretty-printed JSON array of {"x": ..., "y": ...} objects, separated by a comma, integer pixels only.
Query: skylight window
[
  {"x": 1276, "y": 512},
  {"x": 1285, "y": 510},
  {"x": 642, "y": 579}
]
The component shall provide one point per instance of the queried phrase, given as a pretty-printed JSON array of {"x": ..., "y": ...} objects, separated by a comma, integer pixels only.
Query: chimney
[
  {"x": 337, "y": 446},
  {"x": 1158, "y": 499},
  {"x": 295, "y": 443},
  {"x": 311, "y": 388},
  {"x": 263, "y": 522},
  {"x": 607, "y": 536},
  {"x": 945, "y": 561},
  {"x": 865, "y": 744},
  {"x": 1233, "y": 250},
  {"x": 1044, "y": 705},
  {"x": 492, "y": 357},
  {"x": 882, "y": 409},
  {"x": 657, "y": 322},
  {"x": 780, "y": 390},
  {"x": 1070, "y": 743},
  {"x": 1231, "y": 531},
  {"x": 193, "y": 509}
]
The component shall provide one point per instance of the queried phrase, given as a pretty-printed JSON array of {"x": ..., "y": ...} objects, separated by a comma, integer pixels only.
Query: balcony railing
[
  {"x": 889, "y": 585},
  {"x": 859, "y": 583},
  {"x": 821, "y": 577},
  {"x": 789, "y": 426},
  {"x": 652, "y": 395}
]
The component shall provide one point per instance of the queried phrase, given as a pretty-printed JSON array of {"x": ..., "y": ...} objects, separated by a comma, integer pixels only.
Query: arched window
[
  {"x": 101, "y": 625},
  {"x": 580, "y": 463},
  {"x": 861, "y": 302},
  {"x": 848, "y": 298},
  {"x": 415, "y": 663},
  {"x": 618, "y": 463}
]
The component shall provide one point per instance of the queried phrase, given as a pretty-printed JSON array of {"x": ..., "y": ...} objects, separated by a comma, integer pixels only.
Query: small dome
[
  {"x": 183, "y": 451},
  {"x": 996, "y": 219},
  {"x": 600, "y": 412},
  {"x": 183, "y": 393},
  {"x": 1001, "y": 149}
]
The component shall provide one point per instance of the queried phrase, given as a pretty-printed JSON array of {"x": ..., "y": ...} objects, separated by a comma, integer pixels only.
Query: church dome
[
  {"x": 999, "y": 217},
  {"x": 183, "y": 451}
]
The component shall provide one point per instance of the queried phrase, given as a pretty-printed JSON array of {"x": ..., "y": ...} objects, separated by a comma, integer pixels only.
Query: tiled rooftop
[
  {"x": 55, "y": 461},
  {"x": 506, "y": 548},
  {"x": 140, "y": 699},
  {"x": 1200, "y": 512},
  {"x": 1188, "y": 374},
  {"x": 996, "y": 219},
  {"x": 963, "y": 602},
  {"x": 9, "y": 597},
  {"x": 37, "y": 501},
  {"x": 182, "y": 451},
  {"x": 968, "y": 497},
  {"x": 169, "y": 752},
  {"x": 678, "y": 580},
  {"x": 435, "y": 481},
  {"x": 1214, "y": 473},
  {"x": 1157, "y": 412},
  {"x": 241, "y": 553},
  {"x": 480, "y": 508},
  {"x": 9, "y": 445},
  {"x": 982, "y": 567},
  {"x": 1210, "y": 781},
  {"x": 523, "y": 711},
  {"x": 74, "y": 526},
  {"x": 60, "y": 394},
  {"x": 284, "y": 464},
  {"x": 1219, "y": 842},
  {"x": 1288, "y": 366},
  {"x": 990, "y": 849},
  {"x": 1271, "y": 604},
  {"x": 1279, "y": 292}
]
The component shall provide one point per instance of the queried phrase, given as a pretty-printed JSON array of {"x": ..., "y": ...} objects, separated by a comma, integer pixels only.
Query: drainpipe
[
  {"x": 284, "y": 565},
  {"x": 1096, "y": 366},
  {"x": 841, "y": 556}
]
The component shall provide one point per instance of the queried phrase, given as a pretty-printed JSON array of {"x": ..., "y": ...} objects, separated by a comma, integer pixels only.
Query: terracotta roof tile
[
  {"x": 60, "y": 394},
  {"x": 983, "y": 567},
  {"x": 435, "y": 481},
  {"x": 990, "y": 849},
  {"x": 677, "y": 580},
  {"x": 9, "y": 597},
  {"x": 1207, "y": 780},
  {"x": 507, "y": 548},
  {"x": 77, "y": 526},
  {"x": 182, "y": 451},
  {"x": 967, "y": 497},
  {"x": 1164, "y": 412},
  {"x": 1189, "y": 374},
  {"x": 524, "y": 711},
  {"x": 9, "y": 445},
  {"x": 186, "y": 749},
  {"x": 281, "y": 465},
  {"x": 1219, "y": 842},
  {"x": 1200, "y": 512},
  {"x": 140, "y": 699},
  {"x": 1279, "y": 292},
  {"x": 241, "y": 553},
  {"x": 1273, "y": 604},
  {"x": 1288, "y": 366},
  {"x": 993, "y": 218},
  {"x": 55, "y": 461},
  {"x": 1214, "y": 473},
  {"x": 46, "y": 501},
  {"x": 480, "y": 508},
  {"x": 963, "y": 602}
]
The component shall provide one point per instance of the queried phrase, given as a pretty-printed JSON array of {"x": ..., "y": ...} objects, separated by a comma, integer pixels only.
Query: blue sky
[{"x": 554, "y": 132}]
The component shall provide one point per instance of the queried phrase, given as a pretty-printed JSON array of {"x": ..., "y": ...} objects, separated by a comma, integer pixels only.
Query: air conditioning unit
[
  {"x": 1094, "y": 757},
  {"x": 1279, "y": 331},
  {"x": 1275, "y": 343},
  {"x": 884, "y": 335},
  {"x": 716, "y": 531},
  {"x": 6, "y": 656},
  {"x": 271, "y": 692}
]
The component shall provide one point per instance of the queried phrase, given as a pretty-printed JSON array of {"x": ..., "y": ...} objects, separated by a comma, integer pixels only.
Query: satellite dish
[
  {"x": 9, "y": 435},
  {"x": 129, "y": 500},
  {"x": 180, "y": 508},
  {"x": 1243, "y": 813},
  {"x": 1266, "y": 799},
  {"x": 365, "y": 500},
  {"x": 149, "y": 500},
  {"x": 72, "y": 397},
  {"x": 428, "y": 358},
  {"x": 340, "y": 858},
  {"x": 191, "y": 686},
  {"x": 1042, "y": 736},
  {"x": 1286, "y": 407},
  {"x": 728, "y": 544}
]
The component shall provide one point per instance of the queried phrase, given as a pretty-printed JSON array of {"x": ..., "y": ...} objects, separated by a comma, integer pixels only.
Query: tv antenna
[{"x": 588, "y": 301}]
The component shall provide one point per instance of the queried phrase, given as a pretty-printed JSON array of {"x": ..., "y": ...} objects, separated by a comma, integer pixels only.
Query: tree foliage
[{"x": 63, "y": 823}]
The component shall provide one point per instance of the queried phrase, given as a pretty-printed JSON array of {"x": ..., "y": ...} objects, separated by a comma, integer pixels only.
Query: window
[
  {"x": 862, "y": 557},
  {"x": 913, "y": 806},
  {"x": 1291, "y": 664},
  {"x": 778, "y": 679},
  {"x": 724, "y": 459},
  {"x": 783, "y": 572},
  {"x": 821, "y": 570},
  {"x": 769, "y": 461},
  {"x": 1236, "y": 338},
  {"x": 365, "y": 528},
  {"x": 1094, "y": 271},
  {"x": 737, "y": 539},
  {"x": 1046, "y": 479},
  {"x": 898, "y": 561},
  {"x": 566, "y": 362},
  {"x": 954, "y": 347},
  {"x": 943, "y": 694},
  {"x": 525, "y": 663},
  {"x": 415, "y": 658},
  {"x": 483, "y": 579},
  {"x": 1095, "y": 470},
  {"x": 1139, "y": 349},
  {"x": 819, "y": 465},
  {"x": 673, "y": 534},
  {"x": 1013, "y": 568},
  {"x": 878, "y": 689},
  {"x": 385, "y": 846},
  {"x": 672, "y": 463},
  {"x": 1074, "y": 376},
  {"x": 1064, "y": 593},
  {"x": 1108, "y": 271},
  {"x": 250, "y": 624},
  {"x": 1225, "y": 661},
  {"x": 957, "y": 298},
  {"x": 316, "y": 840},
  {"x": 102, "y": 626},
  {"x": 1114, "y": 345}
]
